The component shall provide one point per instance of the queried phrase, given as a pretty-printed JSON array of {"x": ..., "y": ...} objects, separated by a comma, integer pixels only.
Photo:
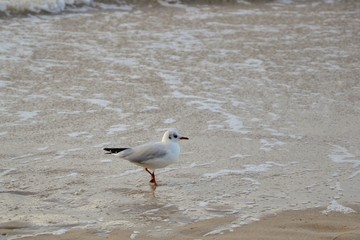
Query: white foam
[
  {"x": 241, "y": 156},
  {"x": 22, "y": 156},
  {"x": 342, "y": 155},
  {"x": 106, "y": 161},
  {"x": 203, "y": 204},
  {"x": 255, "y": 120},
  {"x": 170, "y": 79},
  {"x": 268, "y": 146},
  {"x": 278, "y": 164},
  {"x": 336, "y": 207},
  {"x": 194, "y": 164},
  {"x": 354, "y": 174},
  {"x": 169, "y": 121},
  {"x": 249, "y": 64},
  {"x": 216, "y": 232},
  {"x": 151, "y": 108},
  {"x": 215, "y": 106},
  {"x": 74, "y": 174},
  {"x": 4, "y": 172},
  {"x": 62, "y": 153},
  {"x": 134, "y": 234},
  {"x": 149, "y": 98},
  {"x": 274, "y": 132},
  {"x": 100, "y": 102},
  {"x": 35, "y": 5},
  {"x": 108, "y": 6},
  {"x": 257, "y": 168},
  {"x": 80, "y": 134},
  {"x": 55, "y": 6},
  {"x": 251, "y": 180},
  {"x": 43, "y": 148},
  {"x": 25, "y": 115},
  {"x": 215, "y": 126},
  {"x": 247, "y": 169},
  {"x": 69, "y": 113},
  {"x": 60, "y": 231},
  {"x": 117, "y": 128},
  {"x": 235, "y": 123}
]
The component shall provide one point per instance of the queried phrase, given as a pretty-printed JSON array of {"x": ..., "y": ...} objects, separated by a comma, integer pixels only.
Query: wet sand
[{"x": 302, "y": 224}]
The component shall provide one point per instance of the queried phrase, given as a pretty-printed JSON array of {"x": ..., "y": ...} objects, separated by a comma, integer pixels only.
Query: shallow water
[{"x": 268, "y": 93}]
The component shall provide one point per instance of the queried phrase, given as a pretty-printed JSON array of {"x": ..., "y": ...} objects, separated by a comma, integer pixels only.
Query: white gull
[{"x": 153, "y": 155}]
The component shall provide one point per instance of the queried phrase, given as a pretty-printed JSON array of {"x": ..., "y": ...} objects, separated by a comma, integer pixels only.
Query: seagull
[{"x": 153, "y": 155}]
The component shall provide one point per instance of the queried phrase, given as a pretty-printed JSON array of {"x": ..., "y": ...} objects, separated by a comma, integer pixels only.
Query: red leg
[{"x": 153, "y": 180}]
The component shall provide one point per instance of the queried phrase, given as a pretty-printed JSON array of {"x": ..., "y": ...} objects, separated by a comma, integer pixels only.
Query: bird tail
[{"x": 114, "y": 150}]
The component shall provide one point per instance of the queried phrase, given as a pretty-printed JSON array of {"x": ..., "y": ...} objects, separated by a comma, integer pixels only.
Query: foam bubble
[
  {"x": 170, "y": 79},
  {"x": 151, "y": 108},
  {"x": 57, "y": 6},
  {"x": 248, "y": 168},
  {"x": 60, "y": 232},
  {"x": 169, "y": 121},
  {"x": 117, "y": 128},
  {"x": 342, "y": 155},
  {"x": 80, "y": 134},
  {"x": 134, "y": 234},
  {"x": 4, "y": 172},
  {"x": 235, "y": 123},
  {"x": 354, "y": 174},
  {"x": 63, "y": 153},
  {"x": 336, "y": 207},
  {"x": 106, "y": 161},
  {"x": 268, "y": 146},
  {"x": 69, "y": 113},
  {"x": 241, "y": 156},
  {"x": 25, "y": 115},
  {"x": 100, "y": 102}
]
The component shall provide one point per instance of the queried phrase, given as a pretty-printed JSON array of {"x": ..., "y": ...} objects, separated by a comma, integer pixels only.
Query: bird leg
[{"x": 153, "y": 180}]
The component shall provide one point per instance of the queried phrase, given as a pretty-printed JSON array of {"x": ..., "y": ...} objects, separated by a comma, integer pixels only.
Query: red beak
[{"x": 184, "y": 138}]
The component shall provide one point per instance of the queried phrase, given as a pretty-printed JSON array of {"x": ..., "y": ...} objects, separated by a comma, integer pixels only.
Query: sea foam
[
  {"x": 336, "y": 207},
  {"x": 10, "y": 7}
]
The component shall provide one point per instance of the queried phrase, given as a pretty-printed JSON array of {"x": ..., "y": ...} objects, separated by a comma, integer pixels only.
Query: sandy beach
[
  {"x": 267, "y": 92},
  {"x": 302, "y": 224}
]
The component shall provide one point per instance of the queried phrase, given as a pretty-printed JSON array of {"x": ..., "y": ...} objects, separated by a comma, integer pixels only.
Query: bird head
[{"x": 173, "y": 136}]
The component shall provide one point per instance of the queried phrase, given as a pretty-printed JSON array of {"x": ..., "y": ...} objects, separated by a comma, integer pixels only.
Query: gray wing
[{"x": 144, "y": 153}]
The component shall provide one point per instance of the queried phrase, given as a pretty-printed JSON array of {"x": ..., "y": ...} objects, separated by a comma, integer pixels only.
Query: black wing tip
[{"x": 114, "y": 150}]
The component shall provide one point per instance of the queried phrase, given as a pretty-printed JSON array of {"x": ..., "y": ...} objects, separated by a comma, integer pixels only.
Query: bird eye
[{"x": 175, "y": 135}]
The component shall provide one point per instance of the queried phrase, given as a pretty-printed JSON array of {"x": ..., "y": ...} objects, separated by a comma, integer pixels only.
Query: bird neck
[{"x": 165, "y": 139}]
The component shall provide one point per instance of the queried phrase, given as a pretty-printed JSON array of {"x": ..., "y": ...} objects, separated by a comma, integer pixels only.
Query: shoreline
[{"x": 313, "y": 223}]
